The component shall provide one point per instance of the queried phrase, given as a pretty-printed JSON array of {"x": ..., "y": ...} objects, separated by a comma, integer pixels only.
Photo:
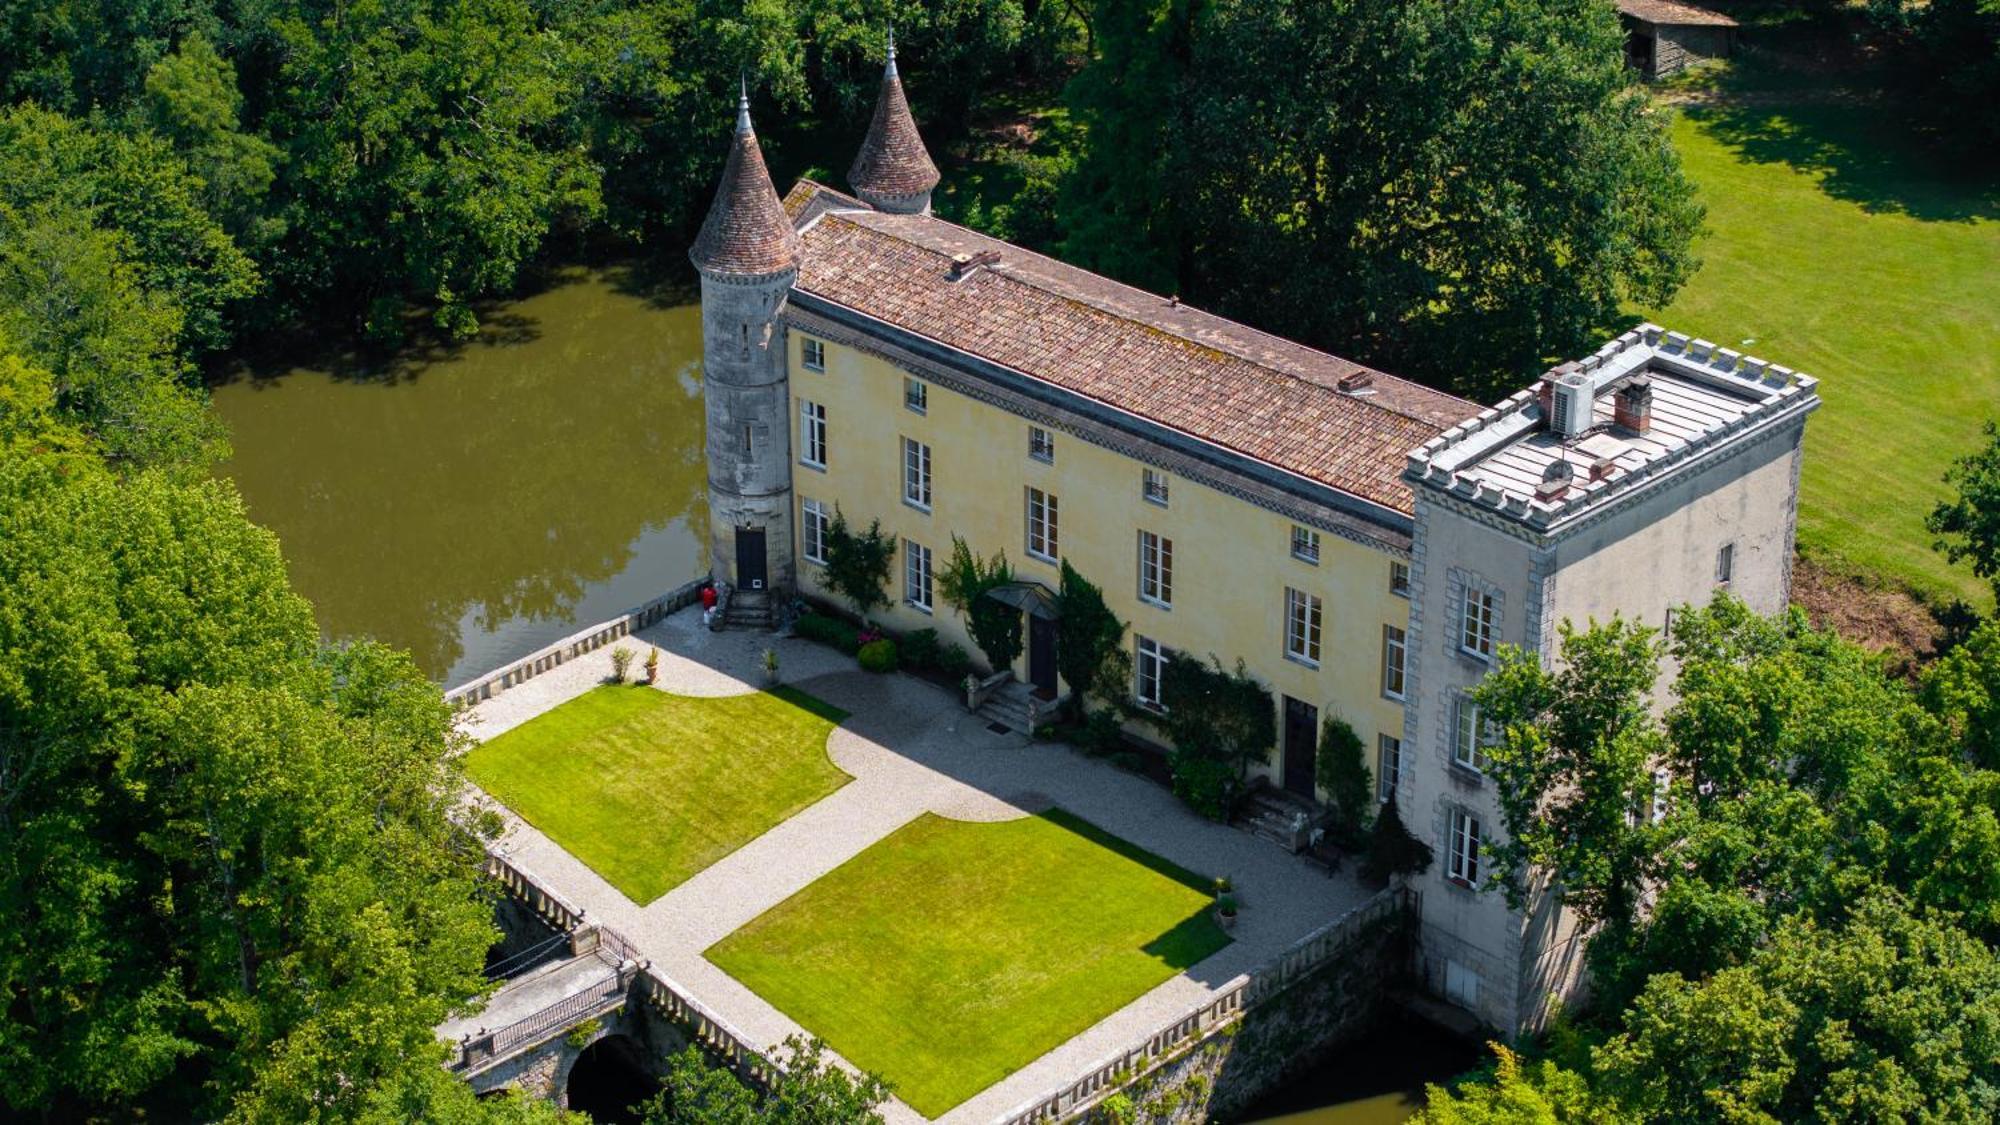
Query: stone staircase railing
[{"x": 1120, "y": 1069}]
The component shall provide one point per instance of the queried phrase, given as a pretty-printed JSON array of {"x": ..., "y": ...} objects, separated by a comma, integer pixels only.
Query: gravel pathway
[{"x": 911, "y": 748}]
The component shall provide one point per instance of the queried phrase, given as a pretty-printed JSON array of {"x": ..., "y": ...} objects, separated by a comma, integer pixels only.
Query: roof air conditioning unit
[{"x": 1571, "y": 406}]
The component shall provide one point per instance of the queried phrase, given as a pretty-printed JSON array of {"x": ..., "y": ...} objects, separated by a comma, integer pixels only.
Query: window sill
[
  {"x": 1155, "y": 501},
  {"x": 1042, "y": 458},
  {"x": 1302, "y": 660},
  {"x": 1403, "y": 593},
  {"x": 1309, "y": 560},
  {"x": 918, "y": 606},
  {"x": 1461, "y": 884},
  {"x": 1469, "y": 775},
  {"x": 1156, "y": 603},
  {"x": 820, "y": 370},
  {"x": 1394, "y": 697},
  {"x": 909, "y": 503},
  {"x": 915, "y": 409},
  {"x": 1475, "y": 656},
  {"x": 817, "y": 468},
  {"x": 1040, "y": 558}
]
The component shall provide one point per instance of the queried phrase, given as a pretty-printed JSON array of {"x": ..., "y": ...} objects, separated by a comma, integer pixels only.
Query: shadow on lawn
[{"x": 1865, "y": 153}]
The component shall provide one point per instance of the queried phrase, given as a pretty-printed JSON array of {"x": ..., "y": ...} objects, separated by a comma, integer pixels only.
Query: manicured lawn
[
  {"x": 950, "y": 954},
  {"x": 649, "y": 788},
  {"x": 1836, "y": 249}
]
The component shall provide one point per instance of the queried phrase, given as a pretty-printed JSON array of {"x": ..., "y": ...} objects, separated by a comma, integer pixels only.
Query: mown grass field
[
  {"x": 1838, "y": 248},
  {"x": 648, "y": 788},
  {"x": 950, "y": 954}
]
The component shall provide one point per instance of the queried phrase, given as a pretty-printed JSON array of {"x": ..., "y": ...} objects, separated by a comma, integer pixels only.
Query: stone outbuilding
[{"x": 1664, "y": 37}]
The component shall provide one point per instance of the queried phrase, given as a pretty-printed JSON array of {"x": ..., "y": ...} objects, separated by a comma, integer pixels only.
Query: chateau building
[{"x": 1360, "y": 542}]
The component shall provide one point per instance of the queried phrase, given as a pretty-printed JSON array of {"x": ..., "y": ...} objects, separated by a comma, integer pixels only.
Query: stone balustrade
[
  {"x": 1125, "y": 1067},
  {"x": 579, "y": 643}
]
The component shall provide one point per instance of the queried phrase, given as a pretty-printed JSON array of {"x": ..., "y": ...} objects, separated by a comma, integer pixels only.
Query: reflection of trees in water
[{"x": 507, "y": 480}]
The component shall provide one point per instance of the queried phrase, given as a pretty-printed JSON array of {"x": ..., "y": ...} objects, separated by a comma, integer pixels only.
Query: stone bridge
[{"x": 572, "y": 988}]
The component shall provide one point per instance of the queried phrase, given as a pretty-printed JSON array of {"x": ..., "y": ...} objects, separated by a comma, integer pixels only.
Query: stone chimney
[{"x": 1632, "y": 407}]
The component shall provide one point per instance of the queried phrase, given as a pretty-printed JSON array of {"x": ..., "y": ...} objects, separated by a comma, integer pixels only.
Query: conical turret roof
[
  {"x": 746, "y": 232},
  {"x": 892, "y": 161}
]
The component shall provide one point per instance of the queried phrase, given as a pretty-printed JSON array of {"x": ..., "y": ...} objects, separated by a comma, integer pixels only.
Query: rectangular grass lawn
[
  {"x": 950, "y": 954},
  {"x": 648, "y": 788}
]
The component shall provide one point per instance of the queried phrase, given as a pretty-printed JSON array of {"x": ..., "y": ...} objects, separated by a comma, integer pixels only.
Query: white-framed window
[
  {"x": 1462, "y": 849},
  {"x": 1156, "y": 569},
  {"x": 916, "y": 394},
  {"x": 812, "y": 434},
  {"x": 1388, "y": 766},
  {"x": 1153, "y": 486},
  {"x": 1305, "y": 544},
  {"x": 1042, "y": 538},
  {"x": 1725, "y": 564},
  {"x": 1399, "y": 578},
  {"x": 916, "y": 474},
  {"x": 1302, "y": 625},
  {"x": 1393, "y": 653},
  {"x": 812, "y": 353},
  {"x": 1471, "y": 734},
  {"x": 1475, "y": 629},
  {"x": 1041, "y": 444},
  {"x": 813, "y": 522},
  {"x": 1149, "y": 665},
  {"x": 917, "y": 574}
]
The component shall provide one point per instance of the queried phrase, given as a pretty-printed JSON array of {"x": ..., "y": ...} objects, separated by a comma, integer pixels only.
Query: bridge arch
[{"x": 608, "y": 1078}]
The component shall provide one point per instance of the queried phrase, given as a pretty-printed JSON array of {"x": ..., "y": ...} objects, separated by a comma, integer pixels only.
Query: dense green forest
[{"x": 228, "y": 884}]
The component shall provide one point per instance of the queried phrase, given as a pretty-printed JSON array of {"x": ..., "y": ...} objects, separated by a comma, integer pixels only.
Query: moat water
[{"x": 472, "y": 503}]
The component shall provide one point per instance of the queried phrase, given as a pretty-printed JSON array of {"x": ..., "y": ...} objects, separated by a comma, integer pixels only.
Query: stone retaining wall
[
  {"x": 584, "y": 640},
  {"x": 1282, "y": 1036}
]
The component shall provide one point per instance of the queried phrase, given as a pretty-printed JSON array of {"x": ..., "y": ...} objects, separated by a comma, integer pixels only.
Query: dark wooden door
[
  {"x": 1301, "y": 746},
  {"x": 1042, "y": 656},
  {"x": 750, "y": 558}
]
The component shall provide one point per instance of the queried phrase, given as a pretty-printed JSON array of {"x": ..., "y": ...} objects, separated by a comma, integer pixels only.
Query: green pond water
[{"x": 472, "y": 503}]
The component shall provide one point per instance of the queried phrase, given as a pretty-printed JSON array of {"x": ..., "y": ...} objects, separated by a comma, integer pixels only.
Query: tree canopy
[{"x": 1820, "y": 883}]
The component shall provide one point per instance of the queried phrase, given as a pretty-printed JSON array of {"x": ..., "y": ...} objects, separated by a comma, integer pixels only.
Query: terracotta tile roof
[
  {"x": 747, "y": 232},
  {"x": 892, "y": 160},
  {"x": 1261, "y": 396},
  {"x": 1672, "y": 13}
]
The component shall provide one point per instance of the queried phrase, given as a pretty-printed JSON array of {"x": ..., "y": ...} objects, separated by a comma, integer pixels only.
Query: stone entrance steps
[
  {"x": 1272, "y": 813},
  {"x": 748, "y": 610}
]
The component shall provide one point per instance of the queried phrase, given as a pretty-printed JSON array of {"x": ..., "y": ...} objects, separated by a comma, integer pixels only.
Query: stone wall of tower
[
  {"x": 1640, "y": 558},
  {"x": 747, "y": 397}
]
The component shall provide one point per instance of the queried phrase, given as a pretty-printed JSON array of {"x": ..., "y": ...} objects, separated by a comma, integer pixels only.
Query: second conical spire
[{"x": 893, "y": 171}]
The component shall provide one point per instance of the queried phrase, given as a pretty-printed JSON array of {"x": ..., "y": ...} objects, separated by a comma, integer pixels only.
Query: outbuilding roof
[
  {"x": 1671, "y": 13},
  {"x": 1309, "y": 413}
]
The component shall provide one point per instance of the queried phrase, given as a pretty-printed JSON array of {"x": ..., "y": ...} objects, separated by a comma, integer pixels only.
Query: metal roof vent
[
  {"x": 1570, "y": 405},
  {"x": 1555, "y": 480}
]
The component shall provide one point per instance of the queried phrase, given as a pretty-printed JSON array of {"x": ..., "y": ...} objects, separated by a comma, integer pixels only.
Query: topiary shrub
[
  {"x": 878, "y": 655},
  {"x": 829, "y": 631},
  {"x": 953, "y": 660},
  {"x": 920, "y": 648},
  {"x": 1343, "y": 777},
  {"x": 1392, "y": 850},
  {"x": 1208, "y": 785}
]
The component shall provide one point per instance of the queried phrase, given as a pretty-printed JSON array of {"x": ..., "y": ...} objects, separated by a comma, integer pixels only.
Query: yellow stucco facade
[{"x": 1232, "y": 561}]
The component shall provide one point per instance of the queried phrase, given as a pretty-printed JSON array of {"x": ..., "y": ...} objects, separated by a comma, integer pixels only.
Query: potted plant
[
  {"x": 770, "y": 662},
  {"x": 1225, "y": 904},
  {"x": 653, "y": 665},
  {"x": 621, "y": 662}
]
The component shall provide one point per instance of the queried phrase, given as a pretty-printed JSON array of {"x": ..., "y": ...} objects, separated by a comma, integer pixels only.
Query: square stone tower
[{"x": 1635, "y": 480}]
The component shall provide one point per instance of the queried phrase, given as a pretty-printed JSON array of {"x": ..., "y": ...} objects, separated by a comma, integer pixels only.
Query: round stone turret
[
  {"x": 893, "y": 172},
  {"x": 748, "y": 256}
]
